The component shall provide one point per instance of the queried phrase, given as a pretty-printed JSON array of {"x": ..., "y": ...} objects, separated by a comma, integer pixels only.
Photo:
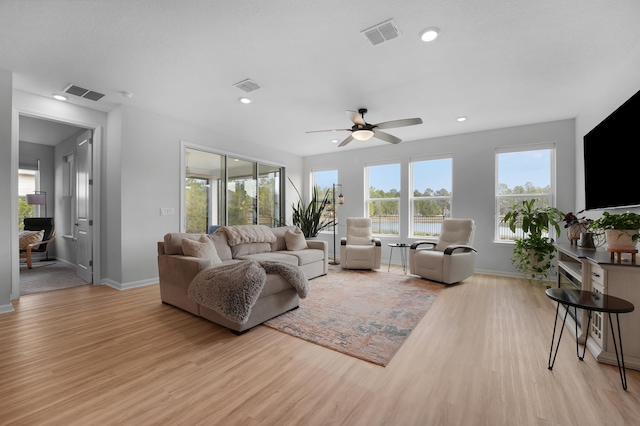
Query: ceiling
[{"x": 498, "y": 62}]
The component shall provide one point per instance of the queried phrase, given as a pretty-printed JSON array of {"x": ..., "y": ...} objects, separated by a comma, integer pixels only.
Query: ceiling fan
[{"x": 363, "y": 131}]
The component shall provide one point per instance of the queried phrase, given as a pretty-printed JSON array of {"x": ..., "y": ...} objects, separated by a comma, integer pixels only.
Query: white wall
[
  {"x": 473, "y": 180},
  {"x": 8, "y": 186},
  {"x": 143, "y": 175}
]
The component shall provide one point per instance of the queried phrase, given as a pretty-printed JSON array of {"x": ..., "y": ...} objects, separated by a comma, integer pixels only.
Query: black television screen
[{"x": 611, "y": 152}]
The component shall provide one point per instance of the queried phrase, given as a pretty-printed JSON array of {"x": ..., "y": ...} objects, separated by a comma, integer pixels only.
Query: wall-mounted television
[{"x": 611, "y": 153}]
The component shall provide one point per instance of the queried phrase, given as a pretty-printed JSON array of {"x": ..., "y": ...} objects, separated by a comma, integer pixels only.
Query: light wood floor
[{"x": 94, "y": 355}]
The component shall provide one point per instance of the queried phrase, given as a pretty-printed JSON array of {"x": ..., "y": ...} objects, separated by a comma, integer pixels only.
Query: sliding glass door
[{"x": 226, "y": 190}]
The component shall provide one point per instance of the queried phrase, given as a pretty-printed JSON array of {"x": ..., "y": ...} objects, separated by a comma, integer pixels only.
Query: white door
[{"x": 84, "y": 222}]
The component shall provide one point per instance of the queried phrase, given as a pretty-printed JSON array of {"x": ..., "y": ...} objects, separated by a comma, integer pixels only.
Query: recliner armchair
[
  {"x": 450, "y": 259},
  {"x": 359, "y": 249}
]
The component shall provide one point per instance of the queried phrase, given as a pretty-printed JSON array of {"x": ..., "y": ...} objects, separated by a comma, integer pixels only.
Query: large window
[
  {"x": 324, "y": 181},
  {"x": 26, "y": 185},
  {"x": 523, "y": 175},
  {"x": 383, "y": 197},
  {"x": 226, "y": 190},
  {"x": 430, "y": 195}
]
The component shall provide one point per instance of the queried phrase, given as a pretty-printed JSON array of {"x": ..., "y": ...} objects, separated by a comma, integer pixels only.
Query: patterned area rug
[{"x": 364, "y": 314}]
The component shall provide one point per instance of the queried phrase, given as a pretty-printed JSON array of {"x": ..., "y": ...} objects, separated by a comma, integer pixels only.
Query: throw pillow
[
  {"x": 203, "y": 248},
  {"x": 295, "y": 240},
  {"x": 30, "y": 237}
]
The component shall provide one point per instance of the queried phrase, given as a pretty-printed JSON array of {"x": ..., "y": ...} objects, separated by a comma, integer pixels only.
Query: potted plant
[
  {"x": 621, "y": 230},
  {"x": 575, "y": 226},
  {"x": 533, "y": 253},
  {"x": 308, "y": 216}
]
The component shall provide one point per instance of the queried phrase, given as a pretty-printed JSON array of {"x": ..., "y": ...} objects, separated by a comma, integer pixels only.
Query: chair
[
  {"x": 359, "y": 250},
  {"x": 450, "y": 259},
  {"x": 36, "y": 224}
]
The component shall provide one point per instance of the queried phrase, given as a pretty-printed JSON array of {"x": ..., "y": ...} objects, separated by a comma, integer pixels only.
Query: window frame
[
  {"x": 368, "y": 199},
  {"x": 547, "y": 198},
  {"x": 222, "y": 210},
  {"x": 413, "y": 198}
]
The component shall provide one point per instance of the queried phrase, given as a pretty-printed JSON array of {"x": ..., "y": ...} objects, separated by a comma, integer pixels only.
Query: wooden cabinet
[{"x": 593, "y": 270}]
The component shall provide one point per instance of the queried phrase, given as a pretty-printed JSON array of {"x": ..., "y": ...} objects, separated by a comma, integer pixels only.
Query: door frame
[{"x": 97, "y": 130}]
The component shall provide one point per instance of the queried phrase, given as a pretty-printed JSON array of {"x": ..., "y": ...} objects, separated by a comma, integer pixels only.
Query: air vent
[
  {"x": 247, "y": 85},
  {"x": 382, "y": 32},
  {"x": 72, "y": 89}
]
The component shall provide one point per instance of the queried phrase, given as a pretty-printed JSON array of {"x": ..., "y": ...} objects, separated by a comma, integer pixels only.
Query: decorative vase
[
  {"x": 620, "y": 239},
  {"x": 574, "y": 231}
]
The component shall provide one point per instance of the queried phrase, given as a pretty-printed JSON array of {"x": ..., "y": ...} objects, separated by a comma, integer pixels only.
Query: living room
[{"x": 138, "y": 153}]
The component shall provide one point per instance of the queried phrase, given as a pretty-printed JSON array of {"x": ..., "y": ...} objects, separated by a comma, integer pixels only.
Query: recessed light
[
  {"x": 429, "y": 34},
  {"x": 245, "y": 100},
  {"x": 461, "y": 119},
  {"x": 60, "y": 97},
  {"x": 334, "y": 140}
]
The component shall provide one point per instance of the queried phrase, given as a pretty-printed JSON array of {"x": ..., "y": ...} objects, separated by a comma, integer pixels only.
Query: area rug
[
  {"x": 47, "y": 276},
  {"x": 364, "y": 314}
]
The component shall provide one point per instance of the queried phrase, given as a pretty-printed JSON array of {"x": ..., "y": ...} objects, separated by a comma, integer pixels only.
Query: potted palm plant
[
  {"x": 621, "y": 230},
  {"x": 533, "y": 253},
  {"x": 309, "y": 216}
]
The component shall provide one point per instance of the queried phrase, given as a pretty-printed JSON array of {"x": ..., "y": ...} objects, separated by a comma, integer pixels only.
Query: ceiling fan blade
[
  {"x": 399, "y": 123},
  {"x": 329, "y": 130},
  {"x": 346, "y": 141},
  {"x": 355, "y": 117},
  {"x": 386, "y": 137}
]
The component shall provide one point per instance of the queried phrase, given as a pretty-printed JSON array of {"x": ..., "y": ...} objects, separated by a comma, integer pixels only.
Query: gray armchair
[
  {"x": 448, "y": 260},
  {"x": 359, "y": 249}
]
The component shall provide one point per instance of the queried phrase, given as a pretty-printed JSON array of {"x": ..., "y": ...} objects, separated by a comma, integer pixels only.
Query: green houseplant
[
  {"x": 533, "y": 253},
  {"x": 621, "y": 229},
  {"x": 308, "y": 216}
]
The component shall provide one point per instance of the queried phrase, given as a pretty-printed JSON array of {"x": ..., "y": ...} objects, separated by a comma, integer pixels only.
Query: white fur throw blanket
[
  {"x": 242, "y": 234},
  {"x": 232, "y": 290}
]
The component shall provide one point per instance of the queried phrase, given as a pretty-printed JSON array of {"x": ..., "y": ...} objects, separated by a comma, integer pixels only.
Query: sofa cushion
[
  {"x": 173, "y": 241},
  {"x": 276, "y": 257},
  {"x": 295, "y": 240},
  {"x": 30, "y": 237},
  {"x": 306, "y": 256},
  {"x": 249, "y": 248},
  {"x": 280, "y": 243},
  {"x": 219, "y": 238},
  {"x": 203, "y": 248},
  {"x": 242, "y": 234}
]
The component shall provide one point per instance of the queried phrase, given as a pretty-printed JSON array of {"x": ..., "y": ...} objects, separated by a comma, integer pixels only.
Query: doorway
[{"x": 49, "y": 149}]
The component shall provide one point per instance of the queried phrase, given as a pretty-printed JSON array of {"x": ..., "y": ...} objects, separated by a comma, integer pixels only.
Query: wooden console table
[{"x": 593, "y": 270}]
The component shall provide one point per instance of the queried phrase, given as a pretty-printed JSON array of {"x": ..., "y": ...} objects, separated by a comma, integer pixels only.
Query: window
[
  {"x": 225, "y": 190},
  {"x": 523, "y": 175},
  {"x": 430, "y": 195},
  {"x": 383, "y": 198},
  {"x": 323, "y": 181},
  {"x": 26, "y": 185}
]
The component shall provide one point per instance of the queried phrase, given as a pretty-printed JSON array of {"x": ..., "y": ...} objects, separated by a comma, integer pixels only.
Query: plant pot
[{"x": 620, "y": 239}]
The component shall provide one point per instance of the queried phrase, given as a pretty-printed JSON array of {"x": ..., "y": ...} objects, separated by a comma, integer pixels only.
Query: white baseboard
[
  {"x": 128, "y": 286},
  {"x": 5, "y": 309}
]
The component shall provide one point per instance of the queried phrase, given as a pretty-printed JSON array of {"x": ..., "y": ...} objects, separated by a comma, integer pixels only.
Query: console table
[
  {"x": 593, "y": 270},
  {"x": 590, "y": 302}
]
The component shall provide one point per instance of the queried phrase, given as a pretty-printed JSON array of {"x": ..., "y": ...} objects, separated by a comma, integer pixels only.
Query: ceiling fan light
[{"x": 362, "y": 135}]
